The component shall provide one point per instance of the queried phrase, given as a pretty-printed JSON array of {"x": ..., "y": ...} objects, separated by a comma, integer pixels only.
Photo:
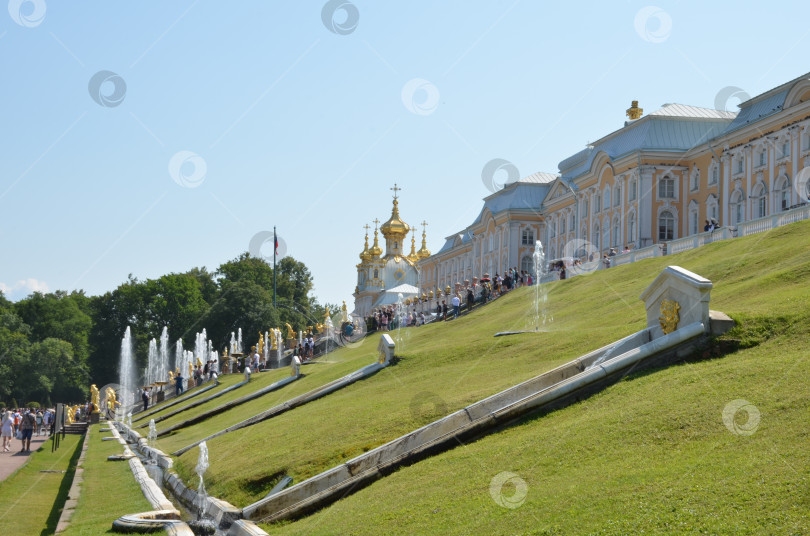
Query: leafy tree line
[{"x": 52, "y": 346}]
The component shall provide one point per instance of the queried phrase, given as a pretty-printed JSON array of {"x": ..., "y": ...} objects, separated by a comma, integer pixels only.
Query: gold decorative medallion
[
  {"x": 399, "y": 274},
  {"x": 669, "y": 316}
]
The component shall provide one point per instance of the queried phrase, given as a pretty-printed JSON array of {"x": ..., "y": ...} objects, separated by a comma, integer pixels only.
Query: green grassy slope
[
  {"x": 449, "y": 365},
  {"x": 650, "y": 454}
]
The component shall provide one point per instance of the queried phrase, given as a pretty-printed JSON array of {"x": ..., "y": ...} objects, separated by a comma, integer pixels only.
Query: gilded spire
[
  {"x": 375, "y": 250},
  {"x": 365, "y": 255},
  {"x": 395, "y": 227},
  {"x": 413, "y": 256},
  {"x": 423, "y": 253}
]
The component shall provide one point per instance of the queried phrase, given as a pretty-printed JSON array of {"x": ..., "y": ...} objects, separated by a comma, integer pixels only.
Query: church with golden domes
[{"x": 381, "y": 278}]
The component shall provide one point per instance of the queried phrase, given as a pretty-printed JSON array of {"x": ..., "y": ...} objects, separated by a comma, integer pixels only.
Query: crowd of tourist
[
  {"x": 446, "y": 303},
  {"x": 22, "y": 424}
]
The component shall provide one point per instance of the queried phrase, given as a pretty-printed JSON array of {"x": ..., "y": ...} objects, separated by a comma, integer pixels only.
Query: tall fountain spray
[
  {"x": 201, "y": 346},
  {"x": 178, "y": 354},
  {"x": 233, "y": 343},
  {"x": 540, "y": 291},
  {"x": 200, "y": 468},
  {"x": 400, "y": 305},
  {"x": 152, "y": 362},
  {"x": 126, "y": 373},
  {"x": 152, "y": 437},
  {"x": 163, "y": 367},
  {"x": 239, "y": 342},
  {"x": 266, "y": 349},
  {"x": 330, "y": 332}
]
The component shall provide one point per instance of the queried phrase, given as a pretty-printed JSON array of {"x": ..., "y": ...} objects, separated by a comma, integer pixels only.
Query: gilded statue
[
  {"x": 344, "y": 312},
  {"x": 94, "y": 397},
  {"x": 261, "y": 343},
  {"x": 274, "y": 339},
  {"x": 290, "y": 331}
]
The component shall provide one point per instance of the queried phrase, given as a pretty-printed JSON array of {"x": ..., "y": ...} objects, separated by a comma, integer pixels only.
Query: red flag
[{"x": 275, "y": 239}]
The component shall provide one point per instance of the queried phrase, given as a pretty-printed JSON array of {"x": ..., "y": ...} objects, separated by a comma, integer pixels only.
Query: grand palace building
[{"x": 656, "y": 180}]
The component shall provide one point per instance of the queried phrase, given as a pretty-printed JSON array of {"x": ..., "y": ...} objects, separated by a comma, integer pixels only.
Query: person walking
[
  {"x": 27, "y": 427},
  {"x": 178, "y": 385},
  {"x": 145, "y": 398},
  {"x": 7, "y": 429},
  {"x": 456, "y": 301}
]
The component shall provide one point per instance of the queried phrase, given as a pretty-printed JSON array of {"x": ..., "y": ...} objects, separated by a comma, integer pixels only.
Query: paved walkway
[{"x": 10, "y": 461}]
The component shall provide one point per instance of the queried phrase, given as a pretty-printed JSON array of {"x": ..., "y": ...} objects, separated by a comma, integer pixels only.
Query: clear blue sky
[{"x": 306, "y": 128}]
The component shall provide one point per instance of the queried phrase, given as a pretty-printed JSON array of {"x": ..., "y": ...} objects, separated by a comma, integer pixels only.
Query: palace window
[
  {"x": 785, "y": 149},
  {"x": 631, "y": 227},
  {"x": 714, "y": 175},
  {"x": 631, "y": 190},
  {"x": 783, "y": 192},
  {"x": 666, "y": 226},
  {"x": 762, "y": 158},
  {"x": 376, "y": 274},
  {"x": 711, "y": 207},
  {"x": 666, "y": 187},
  {"x": 527, "y": 238},
  {"x": 617, "y": 196},
  {"x": 607, "y": 197},
  {"x": 562, "y": 225},
  {"x": 584, "y": 208},
  {"x": 571, "y": 221},
  {"x": 760, "y": 206},
  {"x": 597, "y": 203},
  {"x": 596, "y": 237},
  {"x": 737, "y": 207},
  {"x": 527, "y": 264},
  {"x": 740, "y": 164},
  {"x": 615, "y": 233}
]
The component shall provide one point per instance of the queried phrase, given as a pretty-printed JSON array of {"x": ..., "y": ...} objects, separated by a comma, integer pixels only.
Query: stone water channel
[{"x": 200, "y": 514}]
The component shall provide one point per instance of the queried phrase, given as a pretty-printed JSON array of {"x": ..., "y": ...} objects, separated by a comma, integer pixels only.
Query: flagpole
[{"x": 275, "y": 251}]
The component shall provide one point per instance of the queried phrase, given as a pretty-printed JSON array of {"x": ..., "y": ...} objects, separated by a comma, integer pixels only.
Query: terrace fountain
[{"x": 126, "y": 372}]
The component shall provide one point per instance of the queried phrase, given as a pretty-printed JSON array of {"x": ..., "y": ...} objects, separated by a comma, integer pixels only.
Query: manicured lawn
[
  {"x": 31, "y": 499},
  {"x": 649, "y": 455},
  {"x": 109, "y": 490},
  {"x": 446, "y": 366}
]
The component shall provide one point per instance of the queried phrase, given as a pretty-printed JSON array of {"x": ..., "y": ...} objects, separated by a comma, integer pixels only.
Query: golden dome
[
  {"x": 375, "y": 250},
  {"x": 395, "y": 227},
  {"x": 424, "y": 252},
  {"x": 413, "y": 256},
  {"x": 365, "y": 255}
]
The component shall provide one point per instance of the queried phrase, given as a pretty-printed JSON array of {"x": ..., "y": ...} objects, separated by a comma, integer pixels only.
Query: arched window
[
  {"x": 631, "y": 190},
  {"x": 585, "y": 208},
  {"x": 395, "y": 244},
  {"x": 596, "y": 237},
  {"x": 783, "y": 192},
  {"x": 666, "y": 187},
  {"x": 562, "y": 225},
  {"x": 737, "y": 207},
  {"x": 631, "y": 227},
  {"x": 760, "y": 205},
  {"x": 615, "y": 233},
  {"x": 617, "y": 196},
  {"x": 376, "y": 274},
  {"x": 607, "y": 197},
  {"x": 666, "y": 226},
  {"x": 711, "y": 207},
  {"x": 714, "y": 172},
  {"x": 694, "y": 183},
  {"x": 597, "y": 203},
  {"x": 527, "y": 264}
]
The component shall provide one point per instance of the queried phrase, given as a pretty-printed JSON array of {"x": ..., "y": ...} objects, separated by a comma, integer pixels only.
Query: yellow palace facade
[
  {"x": 663, "y": 175},
  {"x": 657, "y": 179}
]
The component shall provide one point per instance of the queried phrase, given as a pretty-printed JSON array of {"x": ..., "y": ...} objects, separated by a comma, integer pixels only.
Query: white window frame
[{"x": 672, "y": 229}]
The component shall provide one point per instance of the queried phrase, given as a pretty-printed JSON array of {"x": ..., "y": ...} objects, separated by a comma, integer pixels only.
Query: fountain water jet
[
  {"x": 152, "y": 436},
  {"x": 126, "y": 372},
  {"x": 541, "y": 293},
  {"x": 152, "y": 362}
]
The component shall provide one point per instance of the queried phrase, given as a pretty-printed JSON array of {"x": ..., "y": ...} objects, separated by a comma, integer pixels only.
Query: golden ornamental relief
[{"x": 669, "y": 316}]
